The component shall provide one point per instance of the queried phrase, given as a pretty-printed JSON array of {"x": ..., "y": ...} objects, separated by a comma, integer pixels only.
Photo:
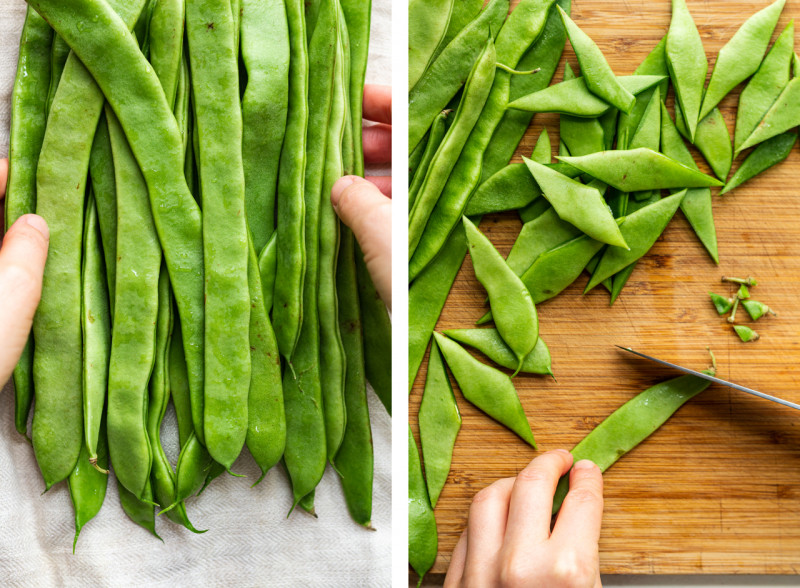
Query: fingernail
[
  {"x": 564, "y": 451},
  {"x": 37, "y": 223},
  {"x": 584, "y": 464},
  {"x": 339, "y": 187}
]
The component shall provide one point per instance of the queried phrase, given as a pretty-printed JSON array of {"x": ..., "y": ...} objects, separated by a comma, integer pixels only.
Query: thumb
[
  {"x": 368, "y": 213},
  {"x": 22, "y": 260}
]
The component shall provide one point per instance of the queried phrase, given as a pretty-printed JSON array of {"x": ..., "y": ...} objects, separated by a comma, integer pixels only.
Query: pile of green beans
[
  {"x": 622, "y": 172},
  {"x": 185, "y": 173}
]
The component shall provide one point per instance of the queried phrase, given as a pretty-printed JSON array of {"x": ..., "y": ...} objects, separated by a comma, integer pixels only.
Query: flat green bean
[
  {"x": 581, "y": 135},
  {"x": 422, "y": 535},
  {"x": 764, "y": 156},
  {"x": 686, "y": 60},
  {"x": 101, "y": 169},
  {"x": 58, "y": 58},
  {"x": 29, "y": 107},
  {"x": 267, "y": 266},
  {"x": 490, "y": 343},
  {"x": 435, "y": 138},
  {"x": 179, "y": 386},
  {"x": 782, "y": 116},
  {"x": 427, "y": 24},
  {"x": 87, "y": 484}
]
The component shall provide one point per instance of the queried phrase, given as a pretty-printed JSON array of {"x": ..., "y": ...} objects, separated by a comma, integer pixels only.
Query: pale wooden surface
[{"x": 717, "y": 489}]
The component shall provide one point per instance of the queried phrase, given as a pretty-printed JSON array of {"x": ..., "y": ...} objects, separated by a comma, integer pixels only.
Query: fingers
[
  {"x": 531, "y": 505},
  {"x": 581, "y": 514},
  {"x": 368, "y": 213},
  {"x": 384, "y": 184},
  {"x": 22, "y": 259},
  {"x": 3, "y": 177},
  {"x": 456, "y": 570},
  {"x": 378, "y": 144},
  {"x": 485, "y": 530},
  {"x": 378, "y": 103}
]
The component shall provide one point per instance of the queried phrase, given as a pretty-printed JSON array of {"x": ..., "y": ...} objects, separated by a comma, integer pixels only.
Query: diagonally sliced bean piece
[
  {"x": 764, "y": 156},
  {"x": 487, "y": 388},
  {"x": 782, "y": 116},
  {"x": 489, "y": 342},
  {"x": 581, "y": 135},
  {"x": 635, "y": 170},
  {"x": 641, "y": 229},
  {"x": 696, "y": 205},
  {"x": 687, "y": 63},
  {"x": 741, "y": 56},
  {"x": 423, "y": 538},
  {"x": 578, "y": 204},
  {"x": 599, "y": 77},
  {"x": 712, "y": 140},
  {"x": 439, "y": 423},
  {"x": 765, "y": 86}
]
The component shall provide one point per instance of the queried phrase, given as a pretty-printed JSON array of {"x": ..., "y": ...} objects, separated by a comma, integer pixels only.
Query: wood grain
[{"x": 717, "y": 488}]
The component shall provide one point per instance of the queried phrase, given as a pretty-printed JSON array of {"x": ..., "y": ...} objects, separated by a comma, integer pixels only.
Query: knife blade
[{"x": 712, "y": 379}]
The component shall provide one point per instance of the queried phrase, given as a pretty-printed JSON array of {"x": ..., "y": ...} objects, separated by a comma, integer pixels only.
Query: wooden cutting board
[{"x": 717, "y": 488}]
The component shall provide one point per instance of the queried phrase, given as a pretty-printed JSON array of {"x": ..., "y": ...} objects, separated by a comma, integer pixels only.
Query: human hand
[
  {"x": 508, "y": 541},
  {"x": 22, "y": 258},
  {"x": 360, "y": 203}
]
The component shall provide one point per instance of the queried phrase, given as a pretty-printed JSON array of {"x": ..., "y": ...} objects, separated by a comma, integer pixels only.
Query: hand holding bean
[
  {"x": 508, "y": 541},
  {"x": 361, "y": 204},
  {"x": 22, "y": 258}
]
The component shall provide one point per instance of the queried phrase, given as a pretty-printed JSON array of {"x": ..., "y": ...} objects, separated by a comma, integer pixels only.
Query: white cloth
[{"x": 249, "y": 542}]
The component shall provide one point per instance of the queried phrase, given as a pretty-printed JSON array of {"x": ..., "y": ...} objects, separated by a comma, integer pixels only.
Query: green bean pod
[
  {"x": 487, "y": 388},
  {"x": 96, "y": 327},
  {"x": 333, "y": 361},
  {"x": 687, "y": 63},
  {"x": 439, "y": 423},
  {"x": 544, "y": 54},
  {"x": 142, "y": 512},
  {"x": 696, "y": 205},
  {"x": 631, "y": 424},
  {"x": 427, "y": 24},
  {"x": 712, "y": 140},
  {"x": 422, "y": 535},
  {"x": 581, "y": 135},
  {"x": 135, "y": 316},
  {"x": 265, "y": 52},
  {"x": 764, "y": 156},
  {"x": 464, "y": 12},
  {"x": 537, "y": 236},
  {"x": 166, "y": 44},
  {"x": 88, "y": 484},
  {"x": 781, "y": 117},
  {"x": 179, "y": 385},
  {"x": 450, "y": 70},
  {"x": 29, "y": 107},
  {"x": 267, "y": 266},
  {"x": 287, "y": 312},
  {"x": 437, "y": 133},
  {"x": 765, "y": 86},
  {"x": 741, "y": 56},
  {"x": 357, "y": 16},
  {"x": 491, "y": 344},
  {"x": 266, "y": 423},
  {"x": 476, "y": 91},
  {"x": 213, "y": 59},
  {"x": 354, "y": 460},
  {"x": 306, "y": 453},
  {"x": 134, "y": 92},
  {"x": 101, "y": 169},
  {"x": 59, "y": 51}
]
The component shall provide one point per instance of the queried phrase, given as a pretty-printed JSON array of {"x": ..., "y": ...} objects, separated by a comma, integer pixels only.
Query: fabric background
[{"x": 250, "y": 542}]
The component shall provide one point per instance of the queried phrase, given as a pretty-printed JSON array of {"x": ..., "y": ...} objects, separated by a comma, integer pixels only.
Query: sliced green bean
[
  {"x": 96, "y": 326},
  {"x": 636, "y": 170},
  {"x": 696, "y": 205},
  {"x": 135, "y": 93},
  {"x": 537, "y": 236},
  {"x": 687, "y": 63},
  {"x": 422, "y": 535},
  {"x": 287, "y": 309},
  {"x": 487, "y": 388},
  {"x": 476, "y": 91},
  {"x": 266, "y": 421},
  {"x": 641, "y": 229},
  {"x": 213, "y": 59},
  {"x": 581, "y": 135},
  {"x": 782, "y": 116},
  {"x": 712, "y": 140},
  {"x": 428, "y": 21},
  {"x": 741, "y": 56},
  {"x": 578, "y": 204},
  {"x": 764, "y": 156},
  {"x": 436, "y": 135},
  {"x": 599, "y": 77},
  {"x": 135, "y": 314},
  {"x": 265, "y": 52},
  {"x": 87, "y": 484},
  {"x": 631, "y": 424},
  {"x": 489, "y": 342},
  {"x": 765, "y": 86},
  {"x": 29, "y": 107},
  {"x": 450, "y": 70},
  {"x": 439, "y": 423},
  {"x": 544, "y": 54}
]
